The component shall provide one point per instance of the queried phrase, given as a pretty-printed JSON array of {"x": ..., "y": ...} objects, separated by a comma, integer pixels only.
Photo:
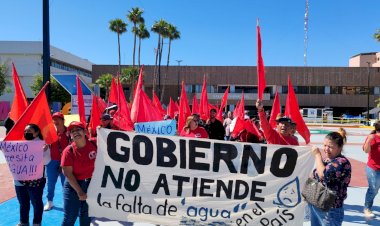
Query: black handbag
[{"x": 318, "y": 195}]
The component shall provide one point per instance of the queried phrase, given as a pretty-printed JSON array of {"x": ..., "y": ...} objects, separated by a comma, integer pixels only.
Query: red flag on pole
[
  {"x": 96, "y": 113},
  {"x": 236, "y": 110},
  {"x": 260, "y": 66},
  {"x": 20, "y": 102},
  {"x": 37, "y": 113},
  {"x": 276, "y": 109},
  {"x": 157, "y": 104},
  {"x": 171, "y": 108},
  {"x": 184, "y": 108},
  {"x": 292, "y": 110},
  {"x": 203, "y": 106},
  {"x": 223, "y": 104},
  {"x": 122, "y": 117},
  {"x": 195, "y": 106},
  {"x": 142, "y": 107},
  {"x": 113, "y": 95},
  {"x": 81, "y": 110}
]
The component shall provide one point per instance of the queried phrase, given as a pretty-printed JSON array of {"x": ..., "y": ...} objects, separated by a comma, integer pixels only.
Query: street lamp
[
  {"x": 178, "y": 70},
  {"x": 368, "y": 68}
]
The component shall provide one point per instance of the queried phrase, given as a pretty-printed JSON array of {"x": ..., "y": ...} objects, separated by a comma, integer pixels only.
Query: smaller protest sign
[
  {"x": 166, "y": 127},
  {"x": 24, "y": 158}
]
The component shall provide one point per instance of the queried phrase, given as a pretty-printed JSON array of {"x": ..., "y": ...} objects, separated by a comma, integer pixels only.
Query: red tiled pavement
[
  {"x": 7, "y": 190},
  {"x": 358, "y": 176}
]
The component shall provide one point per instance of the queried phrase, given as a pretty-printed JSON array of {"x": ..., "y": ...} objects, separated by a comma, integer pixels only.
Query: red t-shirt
[
  {"x": 57, "y": 147},
  {"x": 272, "y": 136},
  {"x": 81, "y": 159},
  {"x": 199, "y": 132},
  {"x": 374, "y": 154}
]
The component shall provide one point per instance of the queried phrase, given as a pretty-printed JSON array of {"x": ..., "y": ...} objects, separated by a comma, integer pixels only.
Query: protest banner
[
  {"x": 24, "y": 158},
  {"x": 165, "y": 127},
  {"x": 170, "y": 180}
]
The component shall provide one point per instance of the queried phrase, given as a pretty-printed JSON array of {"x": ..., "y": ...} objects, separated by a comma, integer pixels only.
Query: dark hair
[
  {"x": 36, "y": 129},
  {"x": 377, "y": 126},
  {"x": 338, "y": 137}
]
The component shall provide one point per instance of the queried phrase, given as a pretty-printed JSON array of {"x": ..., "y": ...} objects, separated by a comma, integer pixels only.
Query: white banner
[
  {"x": 24, "y": 158},
  {"x": 171, "y": 180}
]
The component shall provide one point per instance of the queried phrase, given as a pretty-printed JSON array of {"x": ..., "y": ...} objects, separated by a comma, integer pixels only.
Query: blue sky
[{"x": 213, "y": 32}]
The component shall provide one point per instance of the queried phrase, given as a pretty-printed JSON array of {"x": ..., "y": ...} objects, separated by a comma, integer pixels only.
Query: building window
[
  {"x": 189, "y": 88},
  {"x": 336, "y": 90}
]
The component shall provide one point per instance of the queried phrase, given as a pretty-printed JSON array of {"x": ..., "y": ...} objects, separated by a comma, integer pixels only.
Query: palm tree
[
  {"x": 135, "y": 17},
  {"x": 172, "y": 34},
  {"x": 159, "y": 27},
  {"x": 104, "y": 82},
  {"x": 377, "y": 35},
  {"x": 142, "y": 33},
  {"x": 118, "y": 26}
]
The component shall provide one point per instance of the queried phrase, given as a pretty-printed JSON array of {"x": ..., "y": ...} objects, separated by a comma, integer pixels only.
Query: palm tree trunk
[
  {"x": 134, "y": 45},
  {"x": 155, "y": 65},
  {"x": 159, "y": 68},
  {"x": 166, "y": 71},
  {"x": 118, "y": 46},
  {"x": 139, "y": 51}
]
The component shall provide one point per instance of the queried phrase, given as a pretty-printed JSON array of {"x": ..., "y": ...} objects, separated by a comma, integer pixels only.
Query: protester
[
  {"x": 282, "y": 134},
  {"x": 227, "y": 125},
  {"x": 372, "y": 147},
  {"x": 214, "y": 127},
  {"x": 53, "y": 169},
  {"x": 30, "y": 191},
  {"x": 335, "y": 172},
  {"x": 78, "y": 161},
  {"x": 8, "y": 124},
  {"x": 191, "y": 129},
  {"x": 106, "y": 121}
]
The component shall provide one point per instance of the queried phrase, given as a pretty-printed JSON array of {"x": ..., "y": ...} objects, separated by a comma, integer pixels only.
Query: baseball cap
[
  {"x": 75, "y": 124},
  {"x": 106, "y": 117},
  {"x": 284, "y": 119},
  {"x": 58, "y": 115}
]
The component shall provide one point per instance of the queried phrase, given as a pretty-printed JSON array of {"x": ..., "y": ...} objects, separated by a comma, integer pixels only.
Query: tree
[
  {"x": 104, "y": 81},
  {"x": 172, "y": 34},
  {"x": 377, "y": 35},
  {"x": 118, "y": 26},
  {"x": 129, "y": 77},
  {"x": 3, "y": 80},
  {"x": 135, "y": 16},
  {"x": 159, "y": 28},
  {"x": 58, "y": 93},
  {"x": 142, "y": 33}
]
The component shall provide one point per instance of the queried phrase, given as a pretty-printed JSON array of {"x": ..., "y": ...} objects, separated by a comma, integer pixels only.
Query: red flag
[
  {"x": 203, "y": 106},
  {"x": 260, "y": 66},
  {"x": 157, "y": 104},
  {"x": 292, "y": 110},
  {"x": 96, "y": 113},
  {"x": 37, "y": 113},
  {"x": 236, "y": 110},
  {"x": 101, "y": 104},
  {"x": 113, "y": 95},
  {"x": 171, "y": 108},
  {"x": 251, "y": 127},
  {"x": 223, "y": 104},
  {"x": 81, "y": 110},
  {"x": 276, "y": 109},
  {"x": 195, "y": 106},
  {"x": 122, "y": 117},
  {"x": 20, "y": 102},
  {"x": 184, "y": 108},
  {"x": 142, "y": 107},
  {"x": 241, "y": 107}
]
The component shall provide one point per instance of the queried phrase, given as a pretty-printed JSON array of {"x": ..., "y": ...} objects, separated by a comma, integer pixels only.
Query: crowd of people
[{"x": 72, "y": 157}]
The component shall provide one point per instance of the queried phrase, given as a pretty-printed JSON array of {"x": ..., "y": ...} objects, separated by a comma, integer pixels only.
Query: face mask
[{"x": 28, "y": 136}]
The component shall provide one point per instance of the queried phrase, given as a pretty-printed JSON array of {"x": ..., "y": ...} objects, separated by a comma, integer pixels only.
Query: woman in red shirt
[
  {"x": 78, "y": 162},
  {"x": 191, "y": 129}
]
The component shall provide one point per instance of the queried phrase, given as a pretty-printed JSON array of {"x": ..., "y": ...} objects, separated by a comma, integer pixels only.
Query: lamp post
[
  {"x": 368, "y": 68},
  {"x": 178, "y": 70}
]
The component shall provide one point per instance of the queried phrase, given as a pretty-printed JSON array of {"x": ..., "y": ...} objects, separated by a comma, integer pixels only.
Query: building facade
[
  {"x": 344, "y": 89},
  {"x": 27, "y": 57}
]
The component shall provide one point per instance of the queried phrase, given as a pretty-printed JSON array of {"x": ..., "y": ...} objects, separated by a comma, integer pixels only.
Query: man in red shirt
[
  {"x": 78, "y": 162},
  {"x": 53, "y": 169},
  {"x": 372, "y": 147},
  {"x": 282, "y": 134}
]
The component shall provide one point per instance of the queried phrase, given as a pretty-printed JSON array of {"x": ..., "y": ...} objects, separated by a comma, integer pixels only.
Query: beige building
[{"x": 365, "y": 60}]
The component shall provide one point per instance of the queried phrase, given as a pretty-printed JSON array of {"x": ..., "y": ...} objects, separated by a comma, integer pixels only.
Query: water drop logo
[{"x": 289, "y": 195}]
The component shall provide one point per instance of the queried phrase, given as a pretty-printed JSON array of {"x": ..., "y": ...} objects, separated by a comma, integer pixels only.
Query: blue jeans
[
  {"x": 53, "y": 172},
  {"x": 72, "y": 206},
  {"x": 27, "y": 195},
  {"x": 373, "y": 178},
  {"x": 334, "y": 217}
]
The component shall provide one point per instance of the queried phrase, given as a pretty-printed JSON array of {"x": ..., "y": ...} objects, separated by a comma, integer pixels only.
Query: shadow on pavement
[{"x": 354, "y": 214}]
